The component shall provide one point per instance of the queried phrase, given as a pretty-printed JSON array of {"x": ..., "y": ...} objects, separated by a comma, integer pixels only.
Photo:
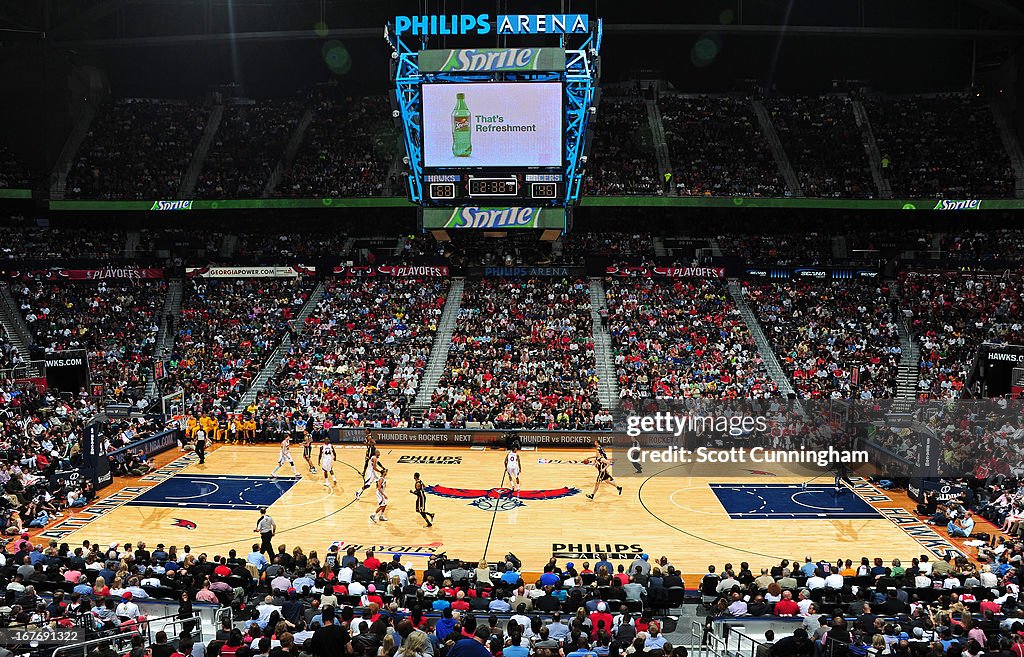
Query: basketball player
[
  {"x": 604, "y": 476},
  {"x": 327, "y": 464},
  {"x": 371, "y": 447},
  {"x": 286, "y": 456},
  {"x": 372, "y": 472},
  {"x": 382, "y": 497},
  {"x": 307, "y": 451},
  {"x": 512, "y": 469},
  {"x": 420, "y": 491}
]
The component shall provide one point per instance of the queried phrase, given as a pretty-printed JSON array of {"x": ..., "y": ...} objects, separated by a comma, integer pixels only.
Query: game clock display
[
  {"x": 493, "y": 186},
  {"x": 461, "y": 187}
]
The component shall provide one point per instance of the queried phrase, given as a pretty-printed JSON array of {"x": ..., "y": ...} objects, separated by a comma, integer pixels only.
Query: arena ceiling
[{"x": 111, "y": 23}]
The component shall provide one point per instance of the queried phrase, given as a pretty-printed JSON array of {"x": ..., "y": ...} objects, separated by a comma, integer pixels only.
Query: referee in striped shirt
[{"x": 266, "y": 527}]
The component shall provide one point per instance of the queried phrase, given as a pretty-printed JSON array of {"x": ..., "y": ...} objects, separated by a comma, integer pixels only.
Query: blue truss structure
[{"x": 579, "y": 82}]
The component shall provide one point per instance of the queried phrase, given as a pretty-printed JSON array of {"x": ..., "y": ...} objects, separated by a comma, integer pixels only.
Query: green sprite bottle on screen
[{"x": 462, "y": 144}]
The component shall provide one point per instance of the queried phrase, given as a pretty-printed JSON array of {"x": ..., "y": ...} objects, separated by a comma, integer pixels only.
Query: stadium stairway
[
  {"x": 871, "y": 149},
  {"x": 165, "y": 336},
  {"x": 188, "y": 182},
  {"x": 294, "y": 142},
  {"x": 66, "y": 159},
  {"x": 908, "y": 372},
  {"x": 764, "y": 348},
  {"x": 659, "y": 248},
  {"x": 778, "y": 152},
  {"x": 393, "y": 182},
  {"x": 228, "y": 245},
  {"x": 660, "y": 142},
  {"x": 439, "y": 351},
  {"x": 607, "y": 383},
  {"x": 840, "y": 251},
  {"x": 270, "y": 366},
  {"x": 132, "y": 241},
  {"x": 14, "y": 326},
  {"x": 1011, "y": 144}
]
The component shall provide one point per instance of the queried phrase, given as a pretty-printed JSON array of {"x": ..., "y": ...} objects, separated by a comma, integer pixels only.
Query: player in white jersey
[
  {"x": 327, "y": 463},
  {"x": 382, "y": 497},
  {"x": 373, "y": 472},
  {"x": 512, "y": 469},
  {"x": 286, "y": 457}
]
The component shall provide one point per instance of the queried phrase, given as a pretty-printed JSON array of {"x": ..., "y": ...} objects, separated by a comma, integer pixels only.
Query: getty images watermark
[{"x": 736, "y": 439}]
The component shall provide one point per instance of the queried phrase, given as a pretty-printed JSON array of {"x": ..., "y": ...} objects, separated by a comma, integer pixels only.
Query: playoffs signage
[
  {"x": 644, "y": 271},
  {"x": 398, "y": 271},
  {"x": 106, "y": 273}
]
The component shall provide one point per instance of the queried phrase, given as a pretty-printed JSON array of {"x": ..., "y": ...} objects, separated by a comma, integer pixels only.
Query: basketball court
[{"x": 693, "y": 514}]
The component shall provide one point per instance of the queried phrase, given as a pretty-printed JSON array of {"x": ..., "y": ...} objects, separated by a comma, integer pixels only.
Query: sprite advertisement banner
[
  {"x": 493, "y": 217},
  {"x": 170, "y": 205},
  {"x": 491, "y": 60},
  {"x": 967, "y": 204}
]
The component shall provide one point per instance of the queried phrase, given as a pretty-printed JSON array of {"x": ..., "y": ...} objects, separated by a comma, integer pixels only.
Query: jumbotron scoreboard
[{"x": 495, "y": 137}]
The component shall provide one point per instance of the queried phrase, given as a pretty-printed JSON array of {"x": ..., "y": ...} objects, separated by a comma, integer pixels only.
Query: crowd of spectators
[
  {"x": 115, "y": 322},
  {"x": 290, "y": 246},
  {"x": 951, "y": 316},
  {"x": 998, "y": 247},
  {"x": 360, "y": 358},
  {"x": 13, "y": 174},
  {"x": 577, "y": 245},
  {"x": 137, "y": 149},
  {"x": 944, "y": 146},
  {"x": 333, "y": 603},
  {"x": 249, "y": 143},
  {"x": 28, "y": 243},
  {"x": 681, "y": 338},
  {"x": 39, "y": 435},
  {"x": 622, "y": 161},
  {"x": 347, "y": 150},
  {"x": 522, "y": 356},
  {"x": 926, "y": 606},
  {"x": 824, "y": 145},
  {"x": 804, "y": 248},
  {"x": 226, "y": 331},
  {"x": 835, "y": 339},
  {"x": 717, "y": 148}
]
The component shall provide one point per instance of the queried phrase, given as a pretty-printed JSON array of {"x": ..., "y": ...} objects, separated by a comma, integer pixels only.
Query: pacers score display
[{"x": 511, "y": 124}]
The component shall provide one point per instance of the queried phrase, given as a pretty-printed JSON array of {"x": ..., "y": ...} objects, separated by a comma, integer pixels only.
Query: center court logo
[
  {"x": 186, "y": 524},
  {"x": 500, "y": 499}
]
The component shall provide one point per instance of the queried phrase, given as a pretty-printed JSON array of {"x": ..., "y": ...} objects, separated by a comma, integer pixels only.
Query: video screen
[{"x": 505, "y": 124}]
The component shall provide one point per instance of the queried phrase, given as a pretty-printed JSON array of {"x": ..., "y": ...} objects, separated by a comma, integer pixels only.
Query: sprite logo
[
  {"x": 472, "y": 217},
  {"x": 492, "y": 59},
  {"x": 171, "y": 205},
  {"x": 958, "y": 205}
]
